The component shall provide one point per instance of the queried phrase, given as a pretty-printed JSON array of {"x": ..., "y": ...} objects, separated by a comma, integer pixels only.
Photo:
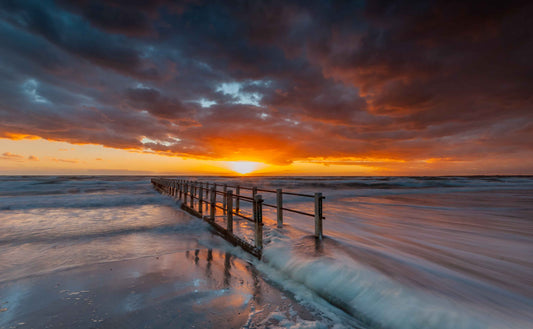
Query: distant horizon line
[{"x": 259, "y": 175}]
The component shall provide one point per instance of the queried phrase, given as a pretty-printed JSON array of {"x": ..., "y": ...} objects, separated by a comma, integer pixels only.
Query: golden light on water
[{"x": 244, "y": 167}]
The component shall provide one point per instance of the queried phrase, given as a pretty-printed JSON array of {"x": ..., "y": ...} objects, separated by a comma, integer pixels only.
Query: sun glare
[{"x": 244, "y": 167}]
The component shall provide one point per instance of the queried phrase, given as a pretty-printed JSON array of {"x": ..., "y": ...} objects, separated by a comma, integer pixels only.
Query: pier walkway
[{"x": 198, "y": 197}]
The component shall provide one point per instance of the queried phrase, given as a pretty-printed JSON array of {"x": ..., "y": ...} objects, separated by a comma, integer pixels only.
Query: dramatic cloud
[{"x": 334, "y": 82}]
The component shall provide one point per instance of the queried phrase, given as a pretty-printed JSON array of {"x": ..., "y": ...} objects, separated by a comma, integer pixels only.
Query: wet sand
[{"x": 200, "y": 288}]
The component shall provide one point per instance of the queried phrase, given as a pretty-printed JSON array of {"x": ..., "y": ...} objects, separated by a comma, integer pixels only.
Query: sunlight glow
[{"x": 244, "y": 167}]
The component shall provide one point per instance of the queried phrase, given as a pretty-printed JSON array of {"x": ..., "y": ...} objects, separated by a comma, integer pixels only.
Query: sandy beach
[{"x": 203, "y": 288}]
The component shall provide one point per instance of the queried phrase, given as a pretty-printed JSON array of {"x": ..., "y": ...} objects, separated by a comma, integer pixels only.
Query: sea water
[{"x": 398, "y": 252}]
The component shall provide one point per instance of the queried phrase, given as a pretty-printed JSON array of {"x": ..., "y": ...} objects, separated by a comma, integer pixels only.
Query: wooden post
[
  {"x": 258, "y": 219},
  {"x": 224, "y": 197},
  {"x": 318, "y": 215},
  {"x": 237, "y": 200},
  {"x": 279, "y": 205},
  {"x": 229, "y": 209},
  {"x": 206, "y": 194},
  {"x": 254, "y": 192},
  {"x": 191, "y": 190},
  {"x": 186, "y": 183},
  {"x": 193, "y": 184},
  {"x": 200, "y": 198},
  {"x": 215, "y": 186},
  {"x": 213, "y": 196}
]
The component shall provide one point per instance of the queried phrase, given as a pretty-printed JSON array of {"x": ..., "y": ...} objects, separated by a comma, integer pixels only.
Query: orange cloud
[
  {"x": 11, "y": 156},
  {"x": 65, "y": 160},
  {"x": 17, "y": 136}
]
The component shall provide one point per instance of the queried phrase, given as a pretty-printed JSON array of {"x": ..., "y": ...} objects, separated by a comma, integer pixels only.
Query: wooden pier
[{"x": 197, "y": 197}]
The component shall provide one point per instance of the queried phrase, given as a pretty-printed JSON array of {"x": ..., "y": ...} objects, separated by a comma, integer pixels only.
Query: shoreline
[{"x": 201, "y": 288}]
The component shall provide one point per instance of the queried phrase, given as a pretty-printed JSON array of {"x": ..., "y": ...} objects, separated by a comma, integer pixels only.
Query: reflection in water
[
  {"x": 213, "y": 258},
  {"x": 179, "y": 290},
  {"x": 196, "y": 258},
  {"x": 208, "y": 272},
  {"x": 227, "y": 269},
  {"x": 257, "y": 284}
]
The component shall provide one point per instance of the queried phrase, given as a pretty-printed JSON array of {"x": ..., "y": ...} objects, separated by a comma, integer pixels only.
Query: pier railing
[{"x": 197, "y": 197}]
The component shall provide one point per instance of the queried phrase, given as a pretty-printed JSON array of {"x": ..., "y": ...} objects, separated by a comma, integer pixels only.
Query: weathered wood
[
  {"x": 200, "y": 199},
  {"x": 279, "y": 205},
  {"x": 318, "y": 216},
  {"x": 206, "y": 195},
  {"x": 236, "y": 241},
  {"x": 237, "y": 200},
  {"x": 191, "y": 204},
  {"x": 182, "y": 189},
  {"x": 224, "y": 198},
  {"x": 258, "y": 219},
  {"x": 186, "y": 192},
  {"x": 229, "y": 210},
  {"x": 213, "y": 195},
  {"x": 190, "y": 211}
]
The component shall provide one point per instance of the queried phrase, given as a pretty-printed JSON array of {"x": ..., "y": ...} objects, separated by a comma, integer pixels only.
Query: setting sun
[{"x": 244, "y": 167}]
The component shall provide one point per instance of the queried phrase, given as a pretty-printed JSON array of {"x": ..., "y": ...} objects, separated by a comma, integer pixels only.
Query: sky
[{"x": 289, "y": 87}]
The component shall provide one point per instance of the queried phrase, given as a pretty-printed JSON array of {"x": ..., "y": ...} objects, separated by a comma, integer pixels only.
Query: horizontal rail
[
  {"x": 242, "y": 216},
  {"x": 264, "y": 204},
  {"x": 197, "y": 190},
  {"x": 259, "y": 190},
  {"x": 262, "y": 190},
  {"x": 272, "y": 191},
  {"x": 292, "y": 210},
  {"x": 242, "y": 197},
  {"x": 248, "y": 199},
  {"x": 236, "y": 196}
]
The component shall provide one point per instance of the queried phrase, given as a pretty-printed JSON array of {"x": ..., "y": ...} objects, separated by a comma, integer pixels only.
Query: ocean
[{"x": 398, "y": 252}]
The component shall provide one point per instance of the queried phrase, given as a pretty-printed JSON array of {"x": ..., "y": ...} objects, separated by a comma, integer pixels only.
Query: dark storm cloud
[
  {"x": 76, "y": 36},
  {"x": 290, "y": 79}
]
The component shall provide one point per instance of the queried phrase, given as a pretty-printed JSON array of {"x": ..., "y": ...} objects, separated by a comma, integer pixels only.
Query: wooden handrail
[{"x": 189, "y": 191}]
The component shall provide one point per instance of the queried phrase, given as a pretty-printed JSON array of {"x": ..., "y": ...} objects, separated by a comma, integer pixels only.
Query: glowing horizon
[
  {"x": 317, "y": 94},
  {"x": 35, "y": 156}
]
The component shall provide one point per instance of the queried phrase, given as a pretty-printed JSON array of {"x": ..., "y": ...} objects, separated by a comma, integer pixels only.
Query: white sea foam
[
  {"x": 401, "y": 252},
  {"x": 374, "y": 298}
]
